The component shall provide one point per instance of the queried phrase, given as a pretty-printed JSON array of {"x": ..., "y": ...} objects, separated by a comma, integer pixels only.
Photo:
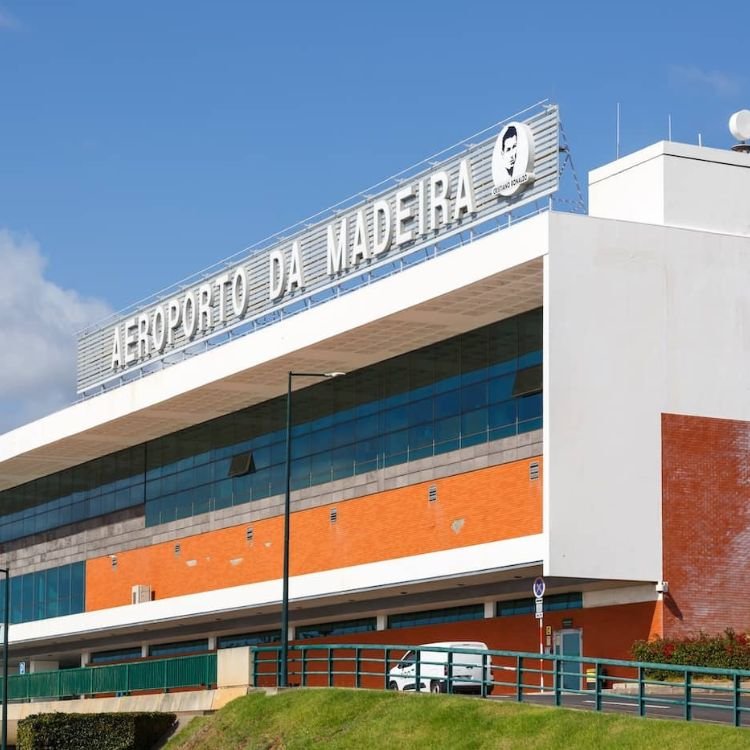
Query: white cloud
[
  {"x": 692, "y": 76},
  {"x": 37, "y": 334}
]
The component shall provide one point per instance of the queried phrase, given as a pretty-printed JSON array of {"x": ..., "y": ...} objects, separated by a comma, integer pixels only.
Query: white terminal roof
[{"x": 496, "y": 276}]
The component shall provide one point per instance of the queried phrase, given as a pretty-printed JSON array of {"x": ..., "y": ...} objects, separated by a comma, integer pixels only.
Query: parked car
[{"x": 436, "y": 665}]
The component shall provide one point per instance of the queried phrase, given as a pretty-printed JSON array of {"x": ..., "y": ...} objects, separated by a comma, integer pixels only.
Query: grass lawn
[{"x": 369, "y": 720}]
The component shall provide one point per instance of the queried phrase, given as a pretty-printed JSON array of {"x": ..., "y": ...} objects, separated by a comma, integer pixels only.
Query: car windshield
[{"x": 407, "y": 659}]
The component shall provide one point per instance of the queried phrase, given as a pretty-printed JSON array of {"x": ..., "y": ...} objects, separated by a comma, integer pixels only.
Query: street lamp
[
  {"x": 6, "y": 618},
  {"x": 284, "y": 679}
]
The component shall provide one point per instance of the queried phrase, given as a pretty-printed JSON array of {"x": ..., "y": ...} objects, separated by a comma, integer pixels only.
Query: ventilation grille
[
  {"x": 432, "y": 493},
  {"x": 177, "y": 549},
  {"x": 534, "y": 470},
  {"x": 140, "y": 593},
  {"x": 249, "y": 533},
  {"x": 333, "y": 515}
]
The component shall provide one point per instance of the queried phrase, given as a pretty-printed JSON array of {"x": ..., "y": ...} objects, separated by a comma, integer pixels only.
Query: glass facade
[
  {"x": 323, "y": 630},
  {"x": 261, "y": 638},
  {"x": 179, "y": 648},
  {"x": 46, "y": 593},
  {"x": 92, "y": 489},
  {"x": 470, "y": 389},
  {"x": 437, "y": 616},
  {"x": 117, "y": 655},
  {"x": 551, "y": 603}
]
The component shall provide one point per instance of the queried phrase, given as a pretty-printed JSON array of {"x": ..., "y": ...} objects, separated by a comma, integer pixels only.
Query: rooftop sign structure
[{"x": 424, "y": 210}]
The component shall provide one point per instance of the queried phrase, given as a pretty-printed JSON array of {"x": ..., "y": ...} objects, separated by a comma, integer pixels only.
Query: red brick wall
[
  {"x": 607, "y": 632},
  {"x": 706, "y": 523}
]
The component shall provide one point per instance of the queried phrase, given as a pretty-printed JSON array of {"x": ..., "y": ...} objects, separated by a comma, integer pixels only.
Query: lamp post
[
  {"x": 6, "y": 619},
  {"x": 284, "y": 678}
]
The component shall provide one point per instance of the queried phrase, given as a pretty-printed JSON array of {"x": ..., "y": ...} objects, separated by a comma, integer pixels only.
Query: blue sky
[{"x": 144, "y": 141}]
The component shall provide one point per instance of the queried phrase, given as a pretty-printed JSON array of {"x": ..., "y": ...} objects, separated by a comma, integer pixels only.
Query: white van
[{"x": 434, "y": 667}]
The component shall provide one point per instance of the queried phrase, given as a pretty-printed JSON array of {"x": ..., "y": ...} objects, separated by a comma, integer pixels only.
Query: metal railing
[
  {"x": 583, "y": 682},
  {"x": 116, "y": 679},
  {"x": 557, "y": 680}
]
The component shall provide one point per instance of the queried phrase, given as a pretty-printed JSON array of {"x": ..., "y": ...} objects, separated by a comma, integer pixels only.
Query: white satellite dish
[{"x": 739, "y": 125}]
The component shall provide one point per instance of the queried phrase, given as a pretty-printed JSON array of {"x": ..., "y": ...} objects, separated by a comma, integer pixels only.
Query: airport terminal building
[{"x": 527, "y": 392}]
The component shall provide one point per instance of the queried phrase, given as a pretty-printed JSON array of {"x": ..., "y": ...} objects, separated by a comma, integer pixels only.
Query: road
[{"x": 714, "y": 708}]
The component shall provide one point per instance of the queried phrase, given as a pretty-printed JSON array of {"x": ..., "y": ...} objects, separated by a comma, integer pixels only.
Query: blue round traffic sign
[{"x": 538, "y": 587}]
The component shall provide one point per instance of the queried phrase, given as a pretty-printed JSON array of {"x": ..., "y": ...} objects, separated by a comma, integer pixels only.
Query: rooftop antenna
[
  {"x": 700, "y": 139},
  {"x": 617, "y": 145},
  {"x": 669, "y": 127},
  {"x": 739, "y": 127}
]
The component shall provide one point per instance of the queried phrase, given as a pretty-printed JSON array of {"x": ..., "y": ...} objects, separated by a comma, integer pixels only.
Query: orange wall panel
[{"x": 495, "y": 503}]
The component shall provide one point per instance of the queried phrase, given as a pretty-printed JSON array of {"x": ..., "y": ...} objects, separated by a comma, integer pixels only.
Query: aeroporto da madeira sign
[{"x": 517, "y": 164}]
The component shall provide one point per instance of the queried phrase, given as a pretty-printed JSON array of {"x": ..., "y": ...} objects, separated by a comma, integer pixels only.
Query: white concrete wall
[
  {"x": 641, "y": 320},
  {"x": 676, "y": 184},
  {"x": 631, "y": 189},
  {"x": 643, "y": 592},
  {"x": 708, "y": 194},
  {"x": 462, "y": 561},
  {"x": 186, "y": 703},
  {"x": 234, "y": 667}
]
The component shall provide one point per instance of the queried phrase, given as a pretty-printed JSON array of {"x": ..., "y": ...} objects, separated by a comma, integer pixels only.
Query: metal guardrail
[
  {"x": 517, "y": 676},
  {"x": 513, "y": 675},
  {"x": 117, "y": 679}
]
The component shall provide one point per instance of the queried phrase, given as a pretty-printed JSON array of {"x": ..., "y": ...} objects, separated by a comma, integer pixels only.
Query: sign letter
[
  {"x": 276, "y": 274},
  {"x": 381, "y": 237},
  {"x": 296, "y": 277},
  {"x": 337, "y": 250},
  {"x": 464, "y": 192},
  {"x": 116, "y": 347}
]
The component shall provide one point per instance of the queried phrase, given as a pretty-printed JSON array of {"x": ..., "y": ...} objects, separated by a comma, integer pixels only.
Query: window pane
[
  {"x": 474, "y": 423},
  {"x": 436, "y": 616},
  {"x": 447, "y": 431},
  {"x": 448, "y": 404},
  {"x": 473, "y": 396},
  {"x": 530, "y": 407}
]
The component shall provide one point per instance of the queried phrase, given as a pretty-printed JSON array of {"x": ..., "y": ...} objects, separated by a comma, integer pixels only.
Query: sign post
[{"x": 538, "y": 589}]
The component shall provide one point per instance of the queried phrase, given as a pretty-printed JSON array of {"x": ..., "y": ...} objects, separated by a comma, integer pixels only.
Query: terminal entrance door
[{"x": 568, "y": 643}]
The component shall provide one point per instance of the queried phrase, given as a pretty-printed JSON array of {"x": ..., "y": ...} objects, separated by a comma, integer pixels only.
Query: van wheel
[
  {"x": 435, "y": 687},
  {"x": 392, "y": 685}
]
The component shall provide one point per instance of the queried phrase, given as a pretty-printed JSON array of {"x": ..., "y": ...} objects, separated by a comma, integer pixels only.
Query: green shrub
[
  {"x": 728, "y": 650},
  {"x": 125, "y": 731}
]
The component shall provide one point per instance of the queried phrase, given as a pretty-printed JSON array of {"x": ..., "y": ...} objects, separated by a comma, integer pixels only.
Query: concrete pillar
[
  {"x": 489, "y": 610},
  {"x": 38, "y": 665},
  {"x": 381, "y": 622},
  {"x": 85, "y": 658},
  {"x": 234, "y": 667},
  {"x": 212, "y": 643}
]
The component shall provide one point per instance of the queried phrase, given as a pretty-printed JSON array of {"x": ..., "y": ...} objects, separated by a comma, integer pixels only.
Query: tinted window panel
[{"x": 427, "y": 402}]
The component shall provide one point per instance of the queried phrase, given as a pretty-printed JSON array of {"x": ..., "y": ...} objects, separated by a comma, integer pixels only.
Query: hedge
[
  {"x": 728, "y": 650},
  {"x": 122, "y": 731}
]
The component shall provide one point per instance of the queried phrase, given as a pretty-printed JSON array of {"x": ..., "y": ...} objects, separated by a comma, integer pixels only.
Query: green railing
[
  {"x": 689, "y": 692},
  {"x": 549, "y": 678},
  {"x": 118, "y": 679}
]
